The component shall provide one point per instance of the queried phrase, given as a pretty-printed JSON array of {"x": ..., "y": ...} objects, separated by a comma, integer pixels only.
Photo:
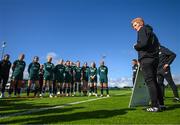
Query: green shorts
[
  {"x": 103, "y": 80},
  {"x": 77, "y": 79},
  {"x": 68, "y": 79},
  {"x": 48, "y": 77},
  {"x": 59, "y": 80},
  {"x": 85, "y": 79},
  {"x": 34, "y": 77},
  {"x": 93, "y": 80},
  {"x": 17, "y": 77}
]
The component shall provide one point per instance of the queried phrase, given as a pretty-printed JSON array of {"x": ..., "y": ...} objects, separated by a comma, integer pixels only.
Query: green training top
[
  {"x": 48, "y": 69},
  {"x": 68, "y": 72},
  {"x": 59, "y": 71},
  {"x": 78, "y": 71},
  {"x": 103, "y": 72},
  {"x": 92, "y": 71},
  {"x": 18, "y": 67},
  {"x": 33, "y": 69}
]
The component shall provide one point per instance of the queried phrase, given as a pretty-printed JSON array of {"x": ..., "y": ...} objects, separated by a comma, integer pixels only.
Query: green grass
[{"x": 113, "y": 110}]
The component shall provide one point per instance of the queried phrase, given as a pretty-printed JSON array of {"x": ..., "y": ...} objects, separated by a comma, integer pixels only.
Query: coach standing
[
  {"x": 5, "y": 66},
  {"x": 147, "y": 47},
  {"x": 166, "y": 57}
]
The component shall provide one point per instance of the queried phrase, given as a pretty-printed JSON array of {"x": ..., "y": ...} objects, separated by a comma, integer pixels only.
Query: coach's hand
[{"x": 165, "y": 66}]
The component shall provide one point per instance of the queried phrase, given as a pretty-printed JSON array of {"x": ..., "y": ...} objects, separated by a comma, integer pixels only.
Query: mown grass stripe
[{"x": 55, "y": 107}]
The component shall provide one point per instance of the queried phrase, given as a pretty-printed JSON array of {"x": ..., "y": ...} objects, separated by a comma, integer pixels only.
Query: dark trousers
[
  {"x": 133, "y": 79},
  {"x": 167, "y": 75},
  {"x": 5, "y": 80},
  {"x": 149, "y": 70}
]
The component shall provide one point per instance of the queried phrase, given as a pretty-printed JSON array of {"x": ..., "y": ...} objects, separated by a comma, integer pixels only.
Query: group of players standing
[{"x": 64, "y": 79}]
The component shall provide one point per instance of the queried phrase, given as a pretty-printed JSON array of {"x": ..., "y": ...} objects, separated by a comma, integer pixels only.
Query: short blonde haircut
[{"x": 138, "y": 20}]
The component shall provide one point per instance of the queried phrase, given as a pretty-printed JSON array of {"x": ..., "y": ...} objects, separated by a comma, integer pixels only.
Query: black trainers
[{"x": 153, "y": 109}]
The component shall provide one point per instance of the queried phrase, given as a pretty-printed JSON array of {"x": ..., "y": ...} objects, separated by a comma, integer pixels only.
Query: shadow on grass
[
  {"x": 173, "y": 106},
  {"x": 17, "y": 105},
  {"x": 57, "y": 116}
]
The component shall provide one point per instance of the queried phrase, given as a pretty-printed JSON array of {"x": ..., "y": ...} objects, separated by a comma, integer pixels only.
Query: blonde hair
[{"x": 138, "y": 20}]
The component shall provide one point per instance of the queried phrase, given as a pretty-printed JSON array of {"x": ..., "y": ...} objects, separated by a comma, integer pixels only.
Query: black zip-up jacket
[
  {"x": 147, "y": 43},
  {"x": 5, "y": 68},
  {"x": 166, "y": 56}
]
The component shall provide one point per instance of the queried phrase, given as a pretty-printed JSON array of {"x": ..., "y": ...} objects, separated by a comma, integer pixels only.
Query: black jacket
[
  {"x": 5, "y": 68},
  {"x": 166, "y": 56},
  {"x": 147, "y": 43}
]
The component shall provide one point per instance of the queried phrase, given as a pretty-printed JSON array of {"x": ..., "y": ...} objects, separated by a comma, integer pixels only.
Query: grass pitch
[{"x": 85, "y": 110}]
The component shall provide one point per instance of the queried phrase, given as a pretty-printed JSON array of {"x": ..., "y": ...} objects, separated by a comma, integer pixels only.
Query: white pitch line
[{"x": 55, "y": 107}]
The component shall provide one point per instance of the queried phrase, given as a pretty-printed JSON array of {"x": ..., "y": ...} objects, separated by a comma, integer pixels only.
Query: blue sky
[{"x": 87, "y": 29}]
